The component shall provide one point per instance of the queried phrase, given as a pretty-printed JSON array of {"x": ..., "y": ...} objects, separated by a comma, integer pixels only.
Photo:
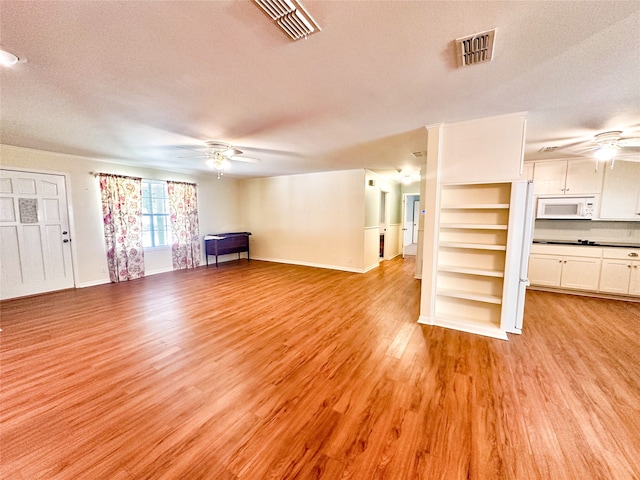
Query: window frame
[{"x": 153, "y": 215}]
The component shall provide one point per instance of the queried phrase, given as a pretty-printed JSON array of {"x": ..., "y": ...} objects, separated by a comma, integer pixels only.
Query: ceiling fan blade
[
  {"x": 194, "y": 148},
  {"x": 200, "y": 155},
  {"x": 244, "y": 159},
  {"x": 630, "y": 142}
]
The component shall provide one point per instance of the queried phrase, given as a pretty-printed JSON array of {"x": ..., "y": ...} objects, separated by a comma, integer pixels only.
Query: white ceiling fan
[
  {"x": 218, "y": 155},
  {"x": 604, "y": 147},
  {"x": 611, "y": 145}
]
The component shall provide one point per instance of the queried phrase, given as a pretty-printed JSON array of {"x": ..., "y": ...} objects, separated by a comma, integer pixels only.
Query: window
[{"x": 155, "y": 214}]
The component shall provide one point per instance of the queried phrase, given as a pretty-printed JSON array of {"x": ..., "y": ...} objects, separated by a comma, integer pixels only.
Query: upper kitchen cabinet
[
  {"x": 567, "y": 177},
  {"x": 621, "y": 192}
]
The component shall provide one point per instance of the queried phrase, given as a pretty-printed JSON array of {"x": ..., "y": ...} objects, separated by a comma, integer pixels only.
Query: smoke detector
[{"x": 476, "y": 48}]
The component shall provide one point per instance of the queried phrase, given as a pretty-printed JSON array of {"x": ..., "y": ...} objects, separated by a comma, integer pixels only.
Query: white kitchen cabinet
[
  {"x": 545, "y": 270},
  {"x": 578, "y": 273},
  {"x": 567, "y": 177},
  {"x": 634, "y": 282},
  {"x": 615, "y": 276},
  {"x": 570, "y": 267},
  {"x": 549, "y": 177},
  {"x": 581, "y": 273},
  {"x": 620, "y": 272},
  {"x": 621, "y": 192}
]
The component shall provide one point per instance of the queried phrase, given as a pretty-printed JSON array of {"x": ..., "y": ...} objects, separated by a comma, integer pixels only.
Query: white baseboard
[
  {"x": 156, "y": 272},
  {"x": 310, "y": 264},
  {"x": 103, "y": 281},
  {"x": 93, "y": 283},
  {"x": 487, "y": 331},
  {"x": 371, "y": 267}
]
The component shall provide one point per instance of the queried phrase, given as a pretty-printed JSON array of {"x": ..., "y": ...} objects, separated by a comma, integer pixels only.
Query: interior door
[
  {"x": 416, "y": 216},
  {"x": 383, "y": 222},
  {"x": 35, "y": 250}
]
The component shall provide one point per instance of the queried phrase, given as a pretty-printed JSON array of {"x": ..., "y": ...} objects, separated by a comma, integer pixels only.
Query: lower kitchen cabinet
[
  {"x": 581, "y": 273},
  {"x": 620, "y": 272},
  {"x": 590, "y": 269},
  {"x": 545, "y": 270}
]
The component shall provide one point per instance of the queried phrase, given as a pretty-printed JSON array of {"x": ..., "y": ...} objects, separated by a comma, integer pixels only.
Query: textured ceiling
[{"x": 131, "y": 81}]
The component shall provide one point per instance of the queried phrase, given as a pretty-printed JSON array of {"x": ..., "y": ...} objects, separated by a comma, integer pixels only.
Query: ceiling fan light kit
[
  {"x": 218, "y": 155},
  {"x": 608, "y": 146}
]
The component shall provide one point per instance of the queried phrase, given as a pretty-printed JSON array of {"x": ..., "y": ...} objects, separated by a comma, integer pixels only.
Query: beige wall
[
  {"x": 314, "y": 219},
  {"x": 218, "y": 205}
]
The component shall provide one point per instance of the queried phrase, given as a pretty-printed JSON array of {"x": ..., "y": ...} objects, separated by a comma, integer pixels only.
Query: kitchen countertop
[{"x": 587, "y": 243}]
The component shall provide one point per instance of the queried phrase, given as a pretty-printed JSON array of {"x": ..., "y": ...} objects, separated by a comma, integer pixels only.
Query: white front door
[{"x": 35, "y": 253}]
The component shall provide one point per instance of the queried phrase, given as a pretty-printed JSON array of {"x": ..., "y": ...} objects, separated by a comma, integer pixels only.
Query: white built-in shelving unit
[{"x": 472, "y": 257}]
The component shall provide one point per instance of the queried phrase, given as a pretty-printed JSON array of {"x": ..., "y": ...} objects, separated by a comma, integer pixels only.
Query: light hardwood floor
[{"x": 267, "y": 371}]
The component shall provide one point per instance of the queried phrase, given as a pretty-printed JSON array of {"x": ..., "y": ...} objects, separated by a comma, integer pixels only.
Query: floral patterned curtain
[
  {"x": 185, "y": 232},
  {"x": 122, "y": 214}
]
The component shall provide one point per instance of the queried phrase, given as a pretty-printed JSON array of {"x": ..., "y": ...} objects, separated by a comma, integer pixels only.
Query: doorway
[
  {"x": 410, "y": 218},
  {"x": 35, "y": 252},
  {"x": 384, "y": 215}
]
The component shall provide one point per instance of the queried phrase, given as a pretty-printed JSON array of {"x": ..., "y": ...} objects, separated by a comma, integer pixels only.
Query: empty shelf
[
  {"x": 476, "y": 297},
  {"x": 476, "y": 206},
  {"x": 475, "y": 246},
  {"x": 474, "y": 226},
  {"x": 471, "y": 271}
]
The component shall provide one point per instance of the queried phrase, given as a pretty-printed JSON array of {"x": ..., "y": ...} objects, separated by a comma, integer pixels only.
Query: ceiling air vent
[
  {"x": 290, "y": 16},
  {"x": 477, "y": 48},
  {"x": 419, "y": 154},
  {"x": 548, "y": 149}
]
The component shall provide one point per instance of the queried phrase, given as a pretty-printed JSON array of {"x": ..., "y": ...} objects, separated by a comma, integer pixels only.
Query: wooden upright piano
[{"x": 226, "y": 243}]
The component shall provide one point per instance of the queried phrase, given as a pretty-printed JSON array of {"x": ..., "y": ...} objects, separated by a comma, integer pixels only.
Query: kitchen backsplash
[{"x": 587, "y": 230}]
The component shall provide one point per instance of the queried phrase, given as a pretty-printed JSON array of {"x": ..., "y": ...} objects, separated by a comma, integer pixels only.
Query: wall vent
[
  {"x": 477, "y": 48},
  {"x": 290, "y": 17}
]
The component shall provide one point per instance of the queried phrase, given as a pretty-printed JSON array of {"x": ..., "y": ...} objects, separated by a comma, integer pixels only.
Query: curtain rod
[{"x": 97, "y": 174}]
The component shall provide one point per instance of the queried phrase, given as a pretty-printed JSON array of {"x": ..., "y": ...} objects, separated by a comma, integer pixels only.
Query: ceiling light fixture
[
  {"x": 608, "y": 146},
  {"x": 8, "y": 59},
  {"x": 290, "y": 16},
  {"x": 607, "y": 152},
  {"x": 217, "y": 160}
]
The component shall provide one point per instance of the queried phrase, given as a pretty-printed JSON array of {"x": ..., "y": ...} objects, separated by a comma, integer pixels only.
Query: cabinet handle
[{"x": 633, "y": 254}]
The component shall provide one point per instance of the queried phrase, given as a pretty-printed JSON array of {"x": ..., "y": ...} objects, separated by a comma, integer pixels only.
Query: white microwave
[{"x": 566, "y": 208}]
